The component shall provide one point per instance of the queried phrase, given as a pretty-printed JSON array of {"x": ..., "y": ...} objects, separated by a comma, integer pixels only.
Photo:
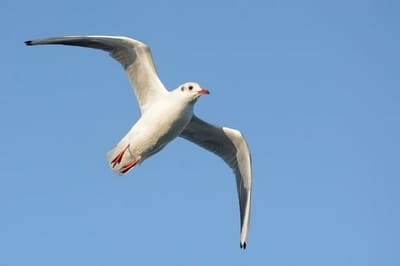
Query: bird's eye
[
  {"x": 190, "y": 87},
  {"x": 182, "y": 88}
]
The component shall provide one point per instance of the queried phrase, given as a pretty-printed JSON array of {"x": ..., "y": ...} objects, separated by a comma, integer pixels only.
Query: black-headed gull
[{"x": 165, "y": 116}]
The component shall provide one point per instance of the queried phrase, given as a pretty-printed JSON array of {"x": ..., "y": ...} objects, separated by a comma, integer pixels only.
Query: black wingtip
[
  {"x": 28, "y": 42},
  {"x": 243, "y": 245}
]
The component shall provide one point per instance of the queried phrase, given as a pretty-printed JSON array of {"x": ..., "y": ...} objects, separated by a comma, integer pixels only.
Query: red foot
[
  {"x": 118, "y": 158},
  {"x": 128, "y": 166}
]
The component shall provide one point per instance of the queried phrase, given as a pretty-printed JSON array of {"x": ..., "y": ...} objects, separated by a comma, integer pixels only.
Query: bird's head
[{"x": 191, "y": 91}]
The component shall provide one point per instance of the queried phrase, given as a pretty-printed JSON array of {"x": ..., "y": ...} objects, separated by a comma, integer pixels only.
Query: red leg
[
  {"x": 128, "y": 166},
  {"x": 118, "y": 158}
]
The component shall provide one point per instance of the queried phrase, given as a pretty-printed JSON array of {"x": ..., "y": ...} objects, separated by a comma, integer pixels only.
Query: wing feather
[
  {"x": 230, "y": 145},
  {"x": 133, "y": 55}
]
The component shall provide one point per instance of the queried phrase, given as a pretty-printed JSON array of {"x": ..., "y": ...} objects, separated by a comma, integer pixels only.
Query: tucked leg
[
  {"x": 119, "y": 156},
  {"x": 128, "y": 166}
]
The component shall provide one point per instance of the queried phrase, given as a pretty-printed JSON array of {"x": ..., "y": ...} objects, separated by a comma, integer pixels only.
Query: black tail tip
[
  {"x": 243, "y": 245},
  {"x": 28, "y": 42}
]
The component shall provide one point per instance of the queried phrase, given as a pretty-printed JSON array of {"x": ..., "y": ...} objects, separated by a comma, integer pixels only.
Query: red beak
[{"x": 203, "y": 91}]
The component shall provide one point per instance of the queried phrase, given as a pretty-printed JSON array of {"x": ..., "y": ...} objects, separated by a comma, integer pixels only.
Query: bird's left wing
[
  {"x": 230, "y": 145},
  {"x": 133, "y": 55}
]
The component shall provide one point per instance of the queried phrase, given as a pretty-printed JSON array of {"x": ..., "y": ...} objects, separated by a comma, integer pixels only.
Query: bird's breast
[{"x": 160, "y": 125}]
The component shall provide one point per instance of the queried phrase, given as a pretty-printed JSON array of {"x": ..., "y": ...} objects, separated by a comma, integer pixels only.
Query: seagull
[{"x": 166, "y": 115}]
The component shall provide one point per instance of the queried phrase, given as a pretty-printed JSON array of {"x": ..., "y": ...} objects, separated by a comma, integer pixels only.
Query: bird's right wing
[
  {"x": 230, "y": 145},
  {"x": 133, "y": 55}
]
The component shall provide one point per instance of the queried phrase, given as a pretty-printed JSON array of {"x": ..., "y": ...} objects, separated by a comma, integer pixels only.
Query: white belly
[{"x": 156, "y": 128}]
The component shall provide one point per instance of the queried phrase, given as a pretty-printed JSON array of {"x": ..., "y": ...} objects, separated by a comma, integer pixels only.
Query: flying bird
[{"x": 166, "y": 115}]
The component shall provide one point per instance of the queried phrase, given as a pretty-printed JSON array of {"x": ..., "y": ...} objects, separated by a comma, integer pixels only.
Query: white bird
[{"x": 165, "y": 116}]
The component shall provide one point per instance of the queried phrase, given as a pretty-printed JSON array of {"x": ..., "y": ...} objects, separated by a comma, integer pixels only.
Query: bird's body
[
  {"x": 165, "y": 116},
  {"x": 161, "y": 123}
]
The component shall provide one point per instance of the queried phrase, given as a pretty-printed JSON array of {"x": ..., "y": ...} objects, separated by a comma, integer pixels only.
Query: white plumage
[{"x": 165, "y": 116}]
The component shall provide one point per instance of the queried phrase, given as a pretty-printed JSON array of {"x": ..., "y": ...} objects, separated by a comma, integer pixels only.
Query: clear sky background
[{"x": 313, "y": 85}]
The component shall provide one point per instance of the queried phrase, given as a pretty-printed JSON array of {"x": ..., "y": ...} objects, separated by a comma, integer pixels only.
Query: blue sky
[{"x": 313, "y": 85}]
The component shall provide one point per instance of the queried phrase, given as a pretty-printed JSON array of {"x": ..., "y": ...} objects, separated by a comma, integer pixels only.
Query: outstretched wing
[
  {"x": 230, "y": 145},
  {"x": 133, "y": 55}
]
